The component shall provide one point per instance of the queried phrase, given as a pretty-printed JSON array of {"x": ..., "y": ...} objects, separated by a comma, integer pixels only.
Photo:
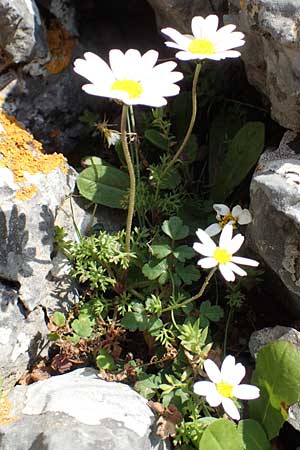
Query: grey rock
[
  {"x": 266, "y": 336},
  {"x": 64, "y": 11},
  {"x": 79, "y": 411},
  {"x": 22, "y": 35},
  {"x": 275, "y": 204},
  {"x": 179, "y": 13},
  {"x": 272, "y": 53}
]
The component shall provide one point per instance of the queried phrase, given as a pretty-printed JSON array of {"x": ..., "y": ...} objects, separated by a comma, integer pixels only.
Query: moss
[{"x": 20, "y": 152}]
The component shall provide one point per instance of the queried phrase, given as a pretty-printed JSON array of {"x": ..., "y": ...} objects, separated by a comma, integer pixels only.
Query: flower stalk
[
  {"x": 130, "y": 168},
  {"x": 192, "y": 121}
]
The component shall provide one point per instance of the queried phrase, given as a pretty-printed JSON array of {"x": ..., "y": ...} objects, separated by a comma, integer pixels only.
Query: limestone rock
[
  {"x": 275, "y": 205},
  {"x": 22, "y": 37},
  {"x": 268, "y": 335},
  {"x": 179, "y": 13},
  {"x": 272, "y": 53},
  {"x": 79, "y": 411}
]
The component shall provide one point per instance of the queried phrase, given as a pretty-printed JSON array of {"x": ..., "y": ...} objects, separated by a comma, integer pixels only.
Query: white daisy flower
[
  {"x": 222, "y": 255},
  {"x": 236, "y": 216},
  {"x": 130, "y": 78},
  {"x": 7, "y": 179},
  {"x": 207, "y": 42},
  {"x": 225, "y": 386}
]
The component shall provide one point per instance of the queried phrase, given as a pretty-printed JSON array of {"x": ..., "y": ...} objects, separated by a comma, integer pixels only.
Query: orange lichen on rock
[
  {"x": 5, "y": 409},
  {"x": 26, "y": 192},
  {"x": 21, "y": 153},
  {"x": 60, "y": 44}
]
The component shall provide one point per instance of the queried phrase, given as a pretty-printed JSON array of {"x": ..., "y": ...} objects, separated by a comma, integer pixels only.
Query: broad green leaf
[
  {"x": 277, "y": 375},
  {"x": 82, "y": 326},
  {"x": 93, "y": 161},
  {"x": 157, "y": 139},
  {"x": 153, "y": 270},
  {"x": 188, "y": 274},
  {"x": 212, "y": 312},
  {"x": 58, "y": 319},
  {"x": 243, "y": 152},
  {"x": 183, "y": 252},
  {"x": 161, "y": 250},
  {"x": 253, "y": 435},
  {"x": 221, "y": 435},
  {"x": 134, "y": 321},
  {"x": 170, "y": 180},
  {"x": 103, "y": 185},
  {"x": 53, "y": 336},
  {"x": 175, "y": 229},
  {"x": 148, "y": 385},
  {"x": 154, "y": 326},
  {"x": 104, "y": 360}
]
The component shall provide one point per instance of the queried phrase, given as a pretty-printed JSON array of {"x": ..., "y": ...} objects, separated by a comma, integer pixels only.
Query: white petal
[
  {"x": 235, "y": 244},
  {"x": 149, "y": 59},
  {"x": 227, "y": 54},
  {"x": 246, "y": 392},
  {"x": 197, "y": 26},
  {"x": 204, "y": 387},
  {"x": 202, "y": 249},
  {"x": 207, "y": 263},
  {"x": 214, "y": 398},
  {"x": 117, "y": 63},
  {"x": 236, "y": 269},
  {"x": 227, "y": 368},
  {"x": 236, "y": 211},
  {"x": 92, "y": 89},
  {"x": 222, "y": 210},
  {"x": 230, "y": 409},
  {"x": 212, "y": 371},
  {"x": 245, "y": 261},
  {"x": 93, "y": 68},
  {"x": 238, "y": 375},
  {"x": 245, "y": 217},
  {"x": 205, "y": 239},
  {"x": 173, "y": 45},
  {"x": 226, "y": 30},
  {"x": 226, "y": 235},
  {"x": 213, "y": 229},
  {"x": 226, "y": 272},
  {"x": 187, "y": 56},
  {"x": 210, "y": 26},
  {"x": 176, "y": 36}
]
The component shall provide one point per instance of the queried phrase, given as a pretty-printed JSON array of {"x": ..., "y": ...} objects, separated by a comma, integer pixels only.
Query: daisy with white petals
[
  {"x": 222, "y": 255},
  {"x": 207, "y": 42},
  {"x": 225, "y": 386},
  {"x": 131, "y": 77},
  {"x": 224, "y": 216}
]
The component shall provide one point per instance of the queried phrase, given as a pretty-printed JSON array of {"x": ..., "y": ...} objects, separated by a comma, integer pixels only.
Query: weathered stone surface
[
  {"x": 179, "y": 13},
  {"x": 275, "y": 204},
  {"x": 268, "y": 335},
  {"x": 79, "y": 411},
  {"x": 272, "y": 53},
  {"x": 22, "y": 37}
]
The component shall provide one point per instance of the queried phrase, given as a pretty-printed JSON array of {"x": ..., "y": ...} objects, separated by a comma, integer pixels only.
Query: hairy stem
[
  {"x": 131, "y": 178},
  {"x": 192, "y": 122}
]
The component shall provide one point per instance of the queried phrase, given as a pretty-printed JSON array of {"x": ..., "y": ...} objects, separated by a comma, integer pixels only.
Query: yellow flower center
[
  {"x": 226, "y": 219},
  {"x": 133, "y": 88},
  {"x": 221, "y": 255},
  {"x": 225, "y": 389},
  {"x": 202, "y": 47}
]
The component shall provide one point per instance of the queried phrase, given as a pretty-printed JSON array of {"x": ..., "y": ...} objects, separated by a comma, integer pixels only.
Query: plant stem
[
  {"x": 226, "y": 330},
  {"x": 195, "y": 297},
  {"x": 192, "y": 122},
  {"x": 131, "y": 178}
]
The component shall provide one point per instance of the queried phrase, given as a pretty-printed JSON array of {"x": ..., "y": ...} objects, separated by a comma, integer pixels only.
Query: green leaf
[
  {"x": 253, "y": 435},
  {"x": 148, "y": 385},
  {"x": 82, "y": 326},
  {"x": 214, "y": 313},
  {"x": 93, "y": 161},
  {"x": 157, "y": 139},
  {"x": 154, "y": 326},
  {"x": 190, "y": 151},
  {"x": 104, "y": 360},
  {"x": 161, "y": 250},
  {"x": 58, "y": 319},
  {"x": 175, "y": 229},
  {"x": 188, "y": 274},
  {"x": 134, "y": 321},
  {"x": 153, "y": 270},
  {"x": 278, "y": 377},
  {"x": 53, "y": 336},
  {"x": 103, "y": 185},
  {"x": 183, "y": 252},
  {"x": 243, "y": 152},
  {"x": 170, "y": 180},
  {"x": 221, "y": 435}
]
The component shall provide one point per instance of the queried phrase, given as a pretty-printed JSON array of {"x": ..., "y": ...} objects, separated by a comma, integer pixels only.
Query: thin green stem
[
  {"x": 226, "y": 330},
  {"x": 131, "y": 178},
  {"x": 195, "y": 297},
  {"x": 192, "y": 122}
]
